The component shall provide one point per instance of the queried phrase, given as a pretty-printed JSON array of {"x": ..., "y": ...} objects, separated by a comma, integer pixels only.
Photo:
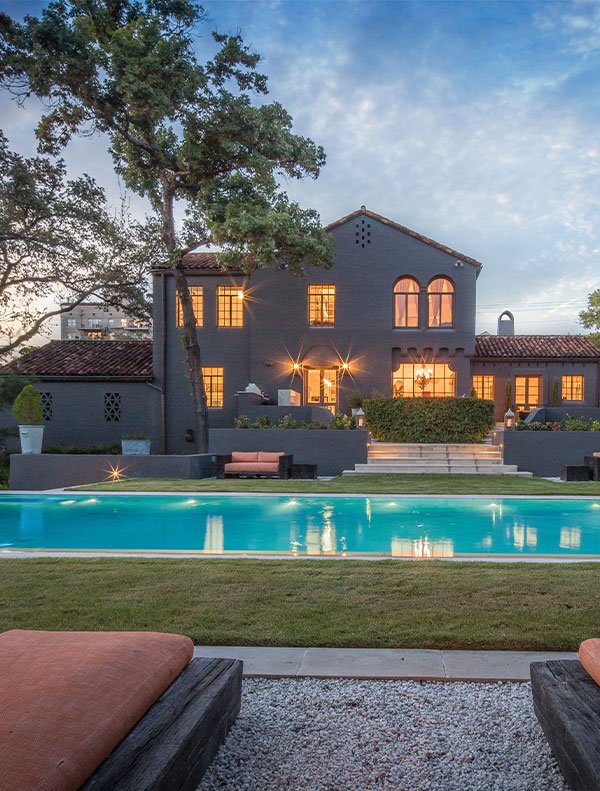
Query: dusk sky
[{"x": 474, "y": 123}]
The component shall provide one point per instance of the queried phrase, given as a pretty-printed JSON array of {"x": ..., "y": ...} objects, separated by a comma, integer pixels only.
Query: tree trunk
[{"x": 190, "y": 335}]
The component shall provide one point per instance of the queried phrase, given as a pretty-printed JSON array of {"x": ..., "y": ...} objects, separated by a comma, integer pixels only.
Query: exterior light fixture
[
  {"x": 509, "y": 419},
  {"x": 115, "y": 473},
  {"x": 345, "y": 367},
  {"x": 296, "y": 366},
  {"x": 359, "y": 416}
]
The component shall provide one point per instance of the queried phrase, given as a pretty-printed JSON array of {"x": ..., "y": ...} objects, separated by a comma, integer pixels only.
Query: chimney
[{"x": 506, "y": 323}]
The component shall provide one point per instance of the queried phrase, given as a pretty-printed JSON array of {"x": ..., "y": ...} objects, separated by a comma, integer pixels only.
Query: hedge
[{"x": 429, "y": 419}]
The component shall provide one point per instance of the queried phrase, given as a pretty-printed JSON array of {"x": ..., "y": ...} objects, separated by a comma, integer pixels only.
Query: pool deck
[{"x": 384, "y": 663}]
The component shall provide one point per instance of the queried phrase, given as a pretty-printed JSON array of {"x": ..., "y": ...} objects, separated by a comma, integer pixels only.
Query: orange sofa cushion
[
  {"x": 269, "y": 457},
  {"x": 244, "y": 456},
  {"x": 589, "y": 656},
  {"x": 596, "y": 453},
  {"x": 68, "y": 698},
  {"x": 255, "y": 466}
]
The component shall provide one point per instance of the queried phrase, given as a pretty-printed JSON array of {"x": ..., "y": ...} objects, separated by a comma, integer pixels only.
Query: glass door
[
  {"x": 527, "y": 392},
  {"x": 321, "y": 387}
]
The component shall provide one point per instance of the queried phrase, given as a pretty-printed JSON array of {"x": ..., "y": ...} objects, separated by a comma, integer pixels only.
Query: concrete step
[
  {"x": 437, "y": 469},
  {"x": 433, "y": 459}
]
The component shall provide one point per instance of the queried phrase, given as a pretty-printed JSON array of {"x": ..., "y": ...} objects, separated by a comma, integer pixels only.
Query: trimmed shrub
[
  {"x": 28, "y": 407},
  {"x": 429, "y": 419}
]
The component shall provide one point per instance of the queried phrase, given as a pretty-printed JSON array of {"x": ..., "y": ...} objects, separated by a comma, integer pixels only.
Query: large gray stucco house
[{"x": 395, "y": 315}]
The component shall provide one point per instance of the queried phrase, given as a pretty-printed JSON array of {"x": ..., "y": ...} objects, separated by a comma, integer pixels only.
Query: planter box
[
  {"x": 544, "y": 453},
  {"x": 31, "y": 439},
  {"x": 135, "y": 447},
  {"x": 331, "y": 450}
]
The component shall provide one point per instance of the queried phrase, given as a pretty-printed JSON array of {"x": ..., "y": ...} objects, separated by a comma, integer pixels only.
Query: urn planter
[
  {"x": 31, "y": 438},
  {"x": 135, "y": 447}
]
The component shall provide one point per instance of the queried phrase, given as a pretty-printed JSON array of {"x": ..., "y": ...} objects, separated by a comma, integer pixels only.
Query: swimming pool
[{"x": 437, "y": 527}]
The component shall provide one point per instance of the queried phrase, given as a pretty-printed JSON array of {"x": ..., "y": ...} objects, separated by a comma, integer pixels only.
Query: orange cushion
[
  {"x": 250, "y": 467},
  {"x": 589, "y": 656},
  {"x": 596, "y": 453},
  {"x": 271, "y": 457},
  {"x": 239, "y": 455},
  {"x": 68, "y": 698}
]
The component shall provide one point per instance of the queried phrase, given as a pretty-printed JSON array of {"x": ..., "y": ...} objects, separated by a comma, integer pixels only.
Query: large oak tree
[
  {"x": 590, "y": 318},
  {"x": 60, "y": 243},
  {"x": 179, "y": 129}
]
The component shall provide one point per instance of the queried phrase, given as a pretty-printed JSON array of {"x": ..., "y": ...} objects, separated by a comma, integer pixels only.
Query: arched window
[
  {"x": 440, "y": 299},
  {"x": 406, "y": 302}
]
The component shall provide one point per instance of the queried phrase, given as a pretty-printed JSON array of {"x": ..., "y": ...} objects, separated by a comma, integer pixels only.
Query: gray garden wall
[
  {"x": 545, "y": 452},
  {"x": 332, "y": 450},
  {"x": 52, "y": 471},
  {"x": 551, "y": 414}
]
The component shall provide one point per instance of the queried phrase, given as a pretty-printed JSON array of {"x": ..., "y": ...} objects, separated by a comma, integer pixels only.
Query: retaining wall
[{"x": 545, "y": 452}]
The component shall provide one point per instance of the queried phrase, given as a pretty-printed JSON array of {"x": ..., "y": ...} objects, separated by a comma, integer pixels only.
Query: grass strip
[{"x": 423, "y": 604}]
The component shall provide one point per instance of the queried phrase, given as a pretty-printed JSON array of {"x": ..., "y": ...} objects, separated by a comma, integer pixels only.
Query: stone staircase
[{"x": 434, "y": 459}]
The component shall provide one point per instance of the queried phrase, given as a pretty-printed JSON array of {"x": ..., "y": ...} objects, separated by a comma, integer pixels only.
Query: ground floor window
[
  {"x": 213, "y": 386},
  {"x": 321, "y": 387},
  {"x": 483, "y": 385},
  {"x": 572, "y": 388},
  {"x": 420, "y": 380},
  {"x": 528, "y": 392}
]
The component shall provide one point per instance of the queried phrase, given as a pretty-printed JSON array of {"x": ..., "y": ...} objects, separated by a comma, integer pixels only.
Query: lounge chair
[
  {"x": 566, "y": 699},
  {"x": 110, "y": 710}
]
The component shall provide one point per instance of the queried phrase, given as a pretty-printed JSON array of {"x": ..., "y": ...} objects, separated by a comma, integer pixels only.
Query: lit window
[
  {"x": 197, "y": 294},
  {"x": 406, "y": 303},
  {"x": 422, "y": 380},
  {"x": 440, "y": 293},
  {"x": 527, "y": 392},
  {"x": 572, "y": 388},
  {"x": 230, "y": 306},
  {"x": 71, "y": 336},
  {"x": 321, "y": 305},
  {"x": 483, "y": 385},
  {"x": 213, "y": 386}
]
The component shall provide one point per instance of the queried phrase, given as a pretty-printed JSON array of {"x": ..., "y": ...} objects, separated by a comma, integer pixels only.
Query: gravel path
[{"x": 401, "y": 735}]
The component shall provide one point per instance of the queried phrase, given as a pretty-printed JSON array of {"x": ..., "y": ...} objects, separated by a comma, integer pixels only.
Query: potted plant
[
  {"x": 27, "y": 408},
  {"x": 135, "y": 445},
  {"x": 355, "y": 402}
]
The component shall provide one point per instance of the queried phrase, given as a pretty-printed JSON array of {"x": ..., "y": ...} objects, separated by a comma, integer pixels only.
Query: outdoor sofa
[
  {"x": 566, "y": 699},
  {"x": 110, "y": 711},
  {"x": 256, "y": 463}
]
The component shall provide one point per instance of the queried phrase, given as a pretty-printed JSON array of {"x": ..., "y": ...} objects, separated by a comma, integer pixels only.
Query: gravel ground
[{"x": 401, "y": 735}]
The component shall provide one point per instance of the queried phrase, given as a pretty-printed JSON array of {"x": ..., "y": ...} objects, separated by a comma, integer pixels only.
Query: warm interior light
[
  {"x": 240, "y": 294},
  {"x": 327, "y": 382}
]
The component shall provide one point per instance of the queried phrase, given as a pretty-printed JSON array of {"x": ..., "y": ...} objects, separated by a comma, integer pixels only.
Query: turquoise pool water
[{"x": 315, "y": 525}]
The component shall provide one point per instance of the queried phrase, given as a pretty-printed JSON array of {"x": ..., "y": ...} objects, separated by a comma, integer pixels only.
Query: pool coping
[{"x": 396, "y": 664}]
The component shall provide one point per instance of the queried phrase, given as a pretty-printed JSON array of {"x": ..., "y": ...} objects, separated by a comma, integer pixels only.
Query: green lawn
[
  {"x": 425, "y": 604},
  {"x": 368, "y": 484}
]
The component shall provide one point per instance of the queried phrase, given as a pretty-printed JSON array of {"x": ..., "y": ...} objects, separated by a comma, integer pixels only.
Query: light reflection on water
[{"x": 309, "y": 526}]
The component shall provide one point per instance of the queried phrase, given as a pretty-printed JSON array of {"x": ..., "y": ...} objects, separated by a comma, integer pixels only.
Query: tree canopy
[
  {"x": 59, "y": 241},
  {"x": 179, "y": 129},
  {"x": 590, "y": 318}
]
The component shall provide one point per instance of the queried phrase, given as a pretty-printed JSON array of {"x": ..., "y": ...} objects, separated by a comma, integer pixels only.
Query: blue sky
[{"x": 475, "y": 123}]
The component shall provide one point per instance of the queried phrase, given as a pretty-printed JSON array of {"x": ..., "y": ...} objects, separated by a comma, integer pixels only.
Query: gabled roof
[
  {"x": 363, "y": 212},
  {"x": 535, "y": 347},
  {"x": 74, "y": 359}
]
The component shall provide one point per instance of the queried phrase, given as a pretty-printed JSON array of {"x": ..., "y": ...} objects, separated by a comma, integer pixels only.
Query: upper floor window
[
  {"x": 197, "y": 296},
  {"x": 440, "y": 299},
  {"x": 572, "y": 388},
  {"x": 483, "y": 385},
  {"x": 213, "y": 386},
  {"x": 96, "y": 323},
  {"x": 230, "y": 306},
  {"x": 406, "y": 302},
  {"x": 321, "y": 305},
  {"x": 71, "y": 322}
]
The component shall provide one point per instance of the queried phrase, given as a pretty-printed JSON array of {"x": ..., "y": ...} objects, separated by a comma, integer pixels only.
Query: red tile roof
[
  {"x": 104, "y": 359},
  {"x": 362, "y": 212},
  {"x": 207, "y": 262},
  {"x": 532, "y": 347}
]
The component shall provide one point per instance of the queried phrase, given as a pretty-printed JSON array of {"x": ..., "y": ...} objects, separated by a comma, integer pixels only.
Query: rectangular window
[
  {"x": 197, "y": 295},
  {"x": 321, "y": 305},
  {"x": 483, "y": 385},
  {"x": 230, "y": 306},
  {"x": 527, "y": 392},
  {"x": 436, "y": 380},
  {"x": 572, "y": 388},
  {"x": 112, "y": 407},
  {"x": 71, "y": 336},
  {"x": 94, "y": 323},
  {"x": 71, "y": 322},
  {"x": 213, "y": 385}
]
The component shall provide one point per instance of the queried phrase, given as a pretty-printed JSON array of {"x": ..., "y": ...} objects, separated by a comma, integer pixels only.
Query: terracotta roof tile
[
  {"x": 86, "y": 358},
  {"x": 535, "y": 346},
  {"x": 198, "y": 261}
]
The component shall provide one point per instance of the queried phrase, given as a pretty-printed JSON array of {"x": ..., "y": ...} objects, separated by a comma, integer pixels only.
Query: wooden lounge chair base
[
  {"x": 567, "y": 704},
  {"x": 174, "y": 743}
]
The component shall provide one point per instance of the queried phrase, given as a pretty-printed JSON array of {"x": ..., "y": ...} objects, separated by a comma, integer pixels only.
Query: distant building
[{"x": 96, "y": 321}]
